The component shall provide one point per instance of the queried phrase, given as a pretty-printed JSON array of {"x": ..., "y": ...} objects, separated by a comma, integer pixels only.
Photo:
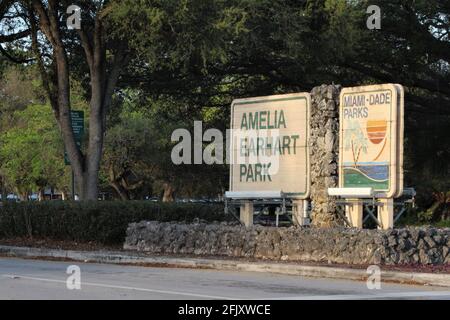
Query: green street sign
[{"x": 77, "y": 121}]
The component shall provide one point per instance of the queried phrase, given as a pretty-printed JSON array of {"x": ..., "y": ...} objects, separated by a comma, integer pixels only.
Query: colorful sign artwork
[
  {"x": 371, "y": 136},
  {"x": 269, "y": 145}
]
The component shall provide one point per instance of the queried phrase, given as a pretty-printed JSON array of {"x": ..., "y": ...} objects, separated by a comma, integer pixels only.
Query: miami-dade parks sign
[
  {"x": 371, "y": 139},
  {"x": 269, "y": 145}
]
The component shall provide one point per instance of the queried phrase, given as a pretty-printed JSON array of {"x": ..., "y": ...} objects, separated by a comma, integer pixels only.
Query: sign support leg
[
  {"x": 246, "y": 213},
  {"x": 298, "y": 212},
  {"x": 354, "y": 213},
  {"x": 386, "y": 214}
]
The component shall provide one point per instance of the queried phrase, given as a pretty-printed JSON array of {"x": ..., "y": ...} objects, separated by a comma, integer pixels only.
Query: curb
[{"x": 442, "y": 280}]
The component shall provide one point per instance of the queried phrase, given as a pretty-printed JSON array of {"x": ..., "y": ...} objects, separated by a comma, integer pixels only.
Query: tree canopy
[
  {"x": 148, "y": 66},
  {"x": 30, "y": 152}
]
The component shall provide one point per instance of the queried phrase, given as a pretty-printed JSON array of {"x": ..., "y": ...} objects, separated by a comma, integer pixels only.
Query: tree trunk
[
  {"x": 41, "y": 195},
  {"x": 121, "y": 191},
  {"x": 169, "y": 192},
  {"x": 86, "y": 167},
  {"x": 96, "y": 135},
  {"x": 23, "y": 196},
  {"x": 4, "y": 193},
  {"x": 60, "y": 95}
]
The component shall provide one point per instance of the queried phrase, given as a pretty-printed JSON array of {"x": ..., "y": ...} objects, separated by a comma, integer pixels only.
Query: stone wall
[
  {"x": 324, "y": 145},
  {"x": 331, "y": 245}
]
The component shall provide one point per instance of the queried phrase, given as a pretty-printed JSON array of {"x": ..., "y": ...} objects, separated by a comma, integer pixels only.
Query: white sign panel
[{"x": 269, "y": 146}]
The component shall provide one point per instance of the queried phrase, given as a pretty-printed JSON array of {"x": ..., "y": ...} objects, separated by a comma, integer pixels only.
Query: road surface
[{"x": 33, "y": 279}]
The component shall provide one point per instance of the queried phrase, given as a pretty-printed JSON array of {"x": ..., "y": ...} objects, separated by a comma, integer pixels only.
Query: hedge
[{"x": 103, "y": 222}]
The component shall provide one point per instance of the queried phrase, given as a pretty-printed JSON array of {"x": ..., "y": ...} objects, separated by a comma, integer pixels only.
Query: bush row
[{"x": 102, "y": 222}]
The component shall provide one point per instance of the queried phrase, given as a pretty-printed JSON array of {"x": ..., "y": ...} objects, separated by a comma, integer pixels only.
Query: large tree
[
  {"x": 284, "y": 46},
  {"x": 160, "y": 35},
  {"x": 59, "y": 53},
  {"x": 202, "y": 54}
]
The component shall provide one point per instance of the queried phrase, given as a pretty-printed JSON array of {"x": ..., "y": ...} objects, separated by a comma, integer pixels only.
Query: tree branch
[
  {"x": 44, "y": 22},
  {"x": 44, "y": 75},
  {"x": 87, "y": 47},
  {"x": 14, "y": 36},
  {"x": 13, "y": 59}
]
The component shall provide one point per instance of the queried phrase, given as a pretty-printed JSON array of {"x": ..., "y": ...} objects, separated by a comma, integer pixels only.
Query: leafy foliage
[
  {"x": 137, "y": 158},
  {"x": 31, "y": 151}
]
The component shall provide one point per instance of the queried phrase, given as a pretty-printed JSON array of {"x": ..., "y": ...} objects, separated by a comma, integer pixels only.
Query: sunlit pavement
[{"x": 32, "y": 279}]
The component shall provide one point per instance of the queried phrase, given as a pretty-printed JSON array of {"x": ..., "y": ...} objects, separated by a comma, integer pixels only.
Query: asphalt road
[{"x": 32, "y": 279}]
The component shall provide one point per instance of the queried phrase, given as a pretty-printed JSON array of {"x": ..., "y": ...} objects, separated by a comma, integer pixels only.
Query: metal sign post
[
  {"x": 73, "y": 186},
  {"x": 300, "y": 212}
]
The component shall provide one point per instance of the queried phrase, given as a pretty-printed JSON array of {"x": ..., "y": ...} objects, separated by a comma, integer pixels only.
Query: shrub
[{"x": 101, "y": 222}]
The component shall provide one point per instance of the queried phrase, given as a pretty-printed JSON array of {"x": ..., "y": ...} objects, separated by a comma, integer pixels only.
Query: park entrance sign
[
  {"x": 269, "y": 145},
  {"x": 371, "y": 139}
]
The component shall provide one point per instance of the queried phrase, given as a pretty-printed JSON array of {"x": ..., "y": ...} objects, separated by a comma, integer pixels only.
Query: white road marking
[
  {"x": 392, "y": 295},
  {"x": 18, "y": 277},
  {"x": 381, "y": 295}
]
